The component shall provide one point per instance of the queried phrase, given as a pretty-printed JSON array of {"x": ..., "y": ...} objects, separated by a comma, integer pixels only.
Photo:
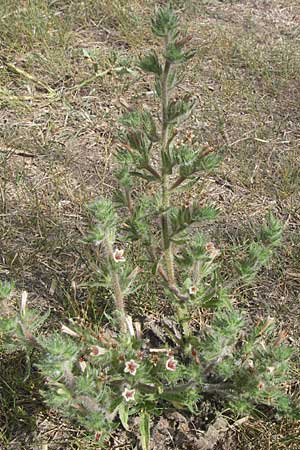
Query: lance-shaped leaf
[
  {"x": 133, "y": 164},
  {"x": 257, "y": 257},
  {"x": 104, "y": 212},
  {"x": 124, "y": 156},
  {"x": 213, "y": 297},
  {"x": 183, "y": 217},
  {"x": 222, "y": 336},
  {"x": 128, "y": 280},
  {"x": 137, "y": 140},
  {"x": 145, "y": 430},
  {"x": 150, "y": 64},
  {"x": 179, "y": 110},
  {"x": 176, "y": 55},
  {"x": 137, "y": 226},
  {"x": 183, "y": 395},
  {"x": 106, "y": 221},
  {"x": 259, "y": 253},
  {"x": 192, "y": 161},
  {"x": 6, "y": 289},
  {"x": 173, "y": 80},
  {"x": 157, "y": 86},
  {"x": 271, "y": 233},
  {"x": 123, "y": 414},
  {"x": 143, "y": 174},
  {"x": 141, "y": 120},
  {"x": 165, "y": 23},
  {"x": 121, "y": 199},
  {"x": 124, "y": 178},
  {"x": 168, "y": 160}
]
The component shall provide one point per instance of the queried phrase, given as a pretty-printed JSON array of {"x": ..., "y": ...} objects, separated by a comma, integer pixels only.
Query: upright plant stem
[
  {"x": 119, "y": 299},
  {"x": 167, "y": 244},
  {"x": 118, "y": 294}
]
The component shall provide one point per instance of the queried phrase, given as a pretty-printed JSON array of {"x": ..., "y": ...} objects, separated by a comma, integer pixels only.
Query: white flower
[
  {"x": 131, "y": 367},
  {"x": 118, "y": 255},
  {"x": 128, "y": 394},
  {"x": 193, "y": 290},
  {"x": 171, "y": 364}
]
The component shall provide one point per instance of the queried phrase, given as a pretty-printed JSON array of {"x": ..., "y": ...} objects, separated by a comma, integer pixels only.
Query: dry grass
[{"x": 58, "y": 123}]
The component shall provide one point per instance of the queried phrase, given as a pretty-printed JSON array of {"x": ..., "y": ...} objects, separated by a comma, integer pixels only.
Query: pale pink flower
[
  {"x": 118, "y": 255},
  {"x": 97, "y": 351},
  {"x": 193, "y": 290},
  {"x": 171, "y": 364},
  {"x": 128, "y": 394},
  {"x": 131, "y": 367}
]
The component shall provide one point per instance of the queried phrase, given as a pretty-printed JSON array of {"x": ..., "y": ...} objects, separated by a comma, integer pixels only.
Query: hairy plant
[{"x": 102, "y": 374}]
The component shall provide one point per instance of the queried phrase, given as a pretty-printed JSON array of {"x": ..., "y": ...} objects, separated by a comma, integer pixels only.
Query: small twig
[
  {"x": 28, "y": 76},
  {"x": 159, "y": 350},
  {"x": 16, "y": 153},
  {"x": 43, "y": 85},
  {"x": 9, "y": 97},
  {"x": 94, "y": 77}
]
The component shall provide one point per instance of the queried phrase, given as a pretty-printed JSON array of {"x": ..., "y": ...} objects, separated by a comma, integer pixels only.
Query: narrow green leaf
[
  {"x": 179, "y": 110},
  {"x": 150, "y": 63},
  {"x": 123, "y": 414},
  {"x": 165, "y": 22},
  {"x": 145, "y": 430}
]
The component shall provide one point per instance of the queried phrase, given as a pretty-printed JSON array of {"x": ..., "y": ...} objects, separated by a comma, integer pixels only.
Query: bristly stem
[
  {"x": 118, "y": 294},
  {"x": 129, "y": 200},
  {"x": 167, "y": 244},
  {"x": 120, "y": 306}
]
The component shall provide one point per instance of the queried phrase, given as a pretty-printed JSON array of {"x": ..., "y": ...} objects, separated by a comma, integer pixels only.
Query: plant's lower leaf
[
  {"x": 123, "y": 414},
  {"x": 145, "y": 430}
]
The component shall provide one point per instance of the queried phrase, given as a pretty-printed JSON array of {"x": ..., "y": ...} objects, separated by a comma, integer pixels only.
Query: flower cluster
[{"x": 131, "y": 368}]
